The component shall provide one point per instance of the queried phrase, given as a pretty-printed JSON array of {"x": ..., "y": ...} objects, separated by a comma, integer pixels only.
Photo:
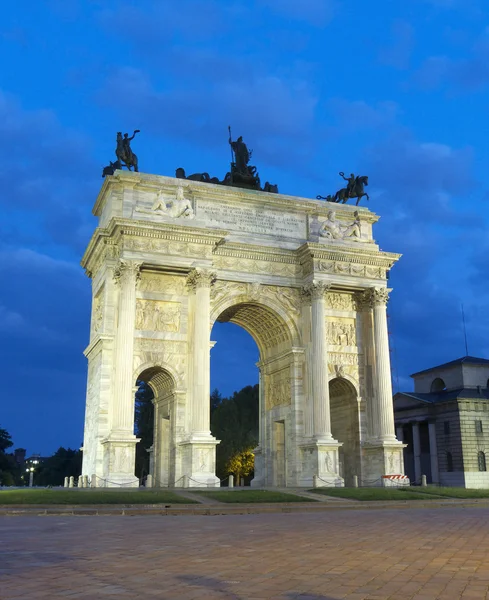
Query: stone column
[
  {"x": 319, "y": 459},
  {"x": 126, "y": 276},
  {"x": 319, "y": 362},
  {"x": 364, "y": 305},
  {"x": 200, "y": 460},
  {"x": 200, "y": 281},
  {"x": 383, "y": 386},
  {"x": 120, "y": 445},
  {"x": 416, "y": 452},
  {"x": 435, "y": 477}
]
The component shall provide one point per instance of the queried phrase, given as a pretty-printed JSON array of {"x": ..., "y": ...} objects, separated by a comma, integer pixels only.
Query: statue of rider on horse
[
  {"x": 354, "y": 189},
  {"x": 123, "y": 151}
]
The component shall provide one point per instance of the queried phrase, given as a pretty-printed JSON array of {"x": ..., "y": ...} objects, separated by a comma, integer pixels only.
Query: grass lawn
[
  {"x": 251, "y": 496},
  {"x": 365, "y": 493},
  {"x": 451, "y": 492},
  {"x": 89, "y": 497}
]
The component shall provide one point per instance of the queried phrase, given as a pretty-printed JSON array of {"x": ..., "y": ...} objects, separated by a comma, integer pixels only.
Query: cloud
[
  {"x": 314, "y": 12},
  {"x": 357, "y": 115},
  {"x": 46, "y": 169},
  {"x": 398, "y": 53},
  {"x": 278, "y": 111},
  {"x": 463, "y": 74}
]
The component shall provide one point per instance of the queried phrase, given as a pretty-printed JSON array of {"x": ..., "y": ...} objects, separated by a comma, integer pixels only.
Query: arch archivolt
[{"x": 269, "y": 313}]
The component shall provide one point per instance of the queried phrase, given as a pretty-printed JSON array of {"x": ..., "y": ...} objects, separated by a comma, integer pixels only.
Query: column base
[
  {"x": 381, "y": 459},
  {"x": 259, "y": 476},
  {"x": 199, "y": 462},
  {"x": 320, "y": 464},
  {"x": 119, "y": 462}
]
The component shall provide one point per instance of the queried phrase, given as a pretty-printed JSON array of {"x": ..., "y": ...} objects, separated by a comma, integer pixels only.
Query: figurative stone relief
[
  {"x": 331, "y": 229},
  {"x": 165, "y": 284},
  {"x": 153, "y": 315},
  {"x": 337, "y": 301},
  {"x": 176, "y": 207},
  {"x": 278, "y": 389},
  {"x": 97, "y": 313},
  {"x": 342, "y": 332}
]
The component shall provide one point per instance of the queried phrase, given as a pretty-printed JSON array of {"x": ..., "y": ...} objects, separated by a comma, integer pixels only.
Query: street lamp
[{"x": 30, "y": 470}]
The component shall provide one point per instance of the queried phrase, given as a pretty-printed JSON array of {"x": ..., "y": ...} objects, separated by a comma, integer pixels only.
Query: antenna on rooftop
[{"x": 465, "y": 331}]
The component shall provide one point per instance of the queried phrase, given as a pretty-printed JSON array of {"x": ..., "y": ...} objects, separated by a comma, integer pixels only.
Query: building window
[
  {"x": 446, "y": 427},
  {"x": 449, "y": 462},
  {"x": 438, "y": 385},
  {"x": 481, "y": 459},
  {"x": 478, "y": 426}
]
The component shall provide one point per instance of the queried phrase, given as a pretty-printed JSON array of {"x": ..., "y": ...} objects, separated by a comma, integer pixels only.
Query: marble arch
[{"x": 315, "y": 305}]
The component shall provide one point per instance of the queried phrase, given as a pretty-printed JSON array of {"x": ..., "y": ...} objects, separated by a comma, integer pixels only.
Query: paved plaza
[{"x": 420, "y": 554}]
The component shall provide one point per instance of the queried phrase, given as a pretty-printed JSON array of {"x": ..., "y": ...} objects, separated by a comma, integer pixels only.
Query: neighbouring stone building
[
  {"x": 445, "y": 424},
  {"x": 305, "y": 278}
]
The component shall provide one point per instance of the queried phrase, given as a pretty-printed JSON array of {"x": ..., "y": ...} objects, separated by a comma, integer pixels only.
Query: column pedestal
[
  {"x": 382, "y": 458},
  {"x": 320, "y": 465},
  {"x": 259, "y": 476},
  {"x": 119, "y": 461},
  {"x": 199, "y": 463}
]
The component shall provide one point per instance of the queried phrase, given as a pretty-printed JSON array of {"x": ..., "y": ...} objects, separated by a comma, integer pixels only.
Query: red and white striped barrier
[{"x": 395, "y": 480}]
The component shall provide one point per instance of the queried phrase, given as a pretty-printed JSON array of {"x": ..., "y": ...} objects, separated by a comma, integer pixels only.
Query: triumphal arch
[{"x": 305, "y": 278}]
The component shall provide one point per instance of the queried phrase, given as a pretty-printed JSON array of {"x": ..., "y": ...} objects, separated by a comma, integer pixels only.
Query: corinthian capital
[
  {"x": 316, "y": 290},
  {"x": 127, "y": 271},
  {"x": 377, "y": 296},
  {"x": 200, "y": 278}
]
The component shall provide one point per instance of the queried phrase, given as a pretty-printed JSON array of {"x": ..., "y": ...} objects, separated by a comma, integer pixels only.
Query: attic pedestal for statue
[{"x": 305, "y": 278}]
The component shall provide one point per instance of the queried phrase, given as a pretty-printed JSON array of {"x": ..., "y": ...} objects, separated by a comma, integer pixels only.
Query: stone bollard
[
  {"x": 185, "y": 481},
  {"x": 231, "y": 481},
  {"x": 355, "y": 481},
  {"x": 66, "y": 482},
  {"x": 93, "y": 481},
  {"x": 80, "y": 481},
  {"x": 315, "y": 481},
  {"x": 71, "y": 482},
  {"x": 149, "y": 481},
  {"x": 85, "y": 481},
  {"x": 423, "y": 481}
]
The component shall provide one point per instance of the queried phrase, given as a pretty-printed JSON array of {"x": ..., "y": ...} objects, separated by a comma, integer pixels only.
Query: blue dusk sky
[{"x": 394, "y": 90}]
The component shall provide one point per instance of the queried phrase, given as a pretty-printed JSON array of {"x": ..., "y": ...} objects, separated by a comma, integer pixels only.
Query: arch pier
[{"x": 314, "y": 304}]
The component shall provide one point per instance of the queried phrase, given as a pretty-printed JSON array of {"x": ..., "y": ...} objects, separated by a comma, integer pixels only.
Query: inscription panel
[{"x": 251, "y": 219}]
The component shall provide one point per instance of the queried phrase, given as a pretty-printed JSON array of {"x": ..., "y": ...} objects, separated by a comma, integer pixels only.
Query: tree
[
  {"x": 216, "y": 400},
  {"x": 9, "y": 469},
  {"x": 241, "y": 464},
  {"x": 235, "y": 423},
  {"x": 65, "y": 462},
  {"x": 5, "y": 440}
]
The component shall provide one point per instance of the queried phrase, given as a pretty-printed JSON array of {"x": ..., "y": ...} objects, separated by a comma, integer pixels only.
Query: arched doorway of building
[
  {"x": 278, "y": 367},
  {"x": 345, "y": 427},
  {"x": 153, "y": 423}
]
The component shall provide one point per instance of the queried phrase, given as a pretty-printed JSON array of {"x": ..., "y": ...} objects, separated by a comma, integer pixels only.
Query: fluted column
[
  {"x": 126, "y": 275},
  {"x": 383, "y": 384},
  {"x": 200, "y": 282},
  {"x": 364, "y": 305},
  {"x": 319, "y": 361}
]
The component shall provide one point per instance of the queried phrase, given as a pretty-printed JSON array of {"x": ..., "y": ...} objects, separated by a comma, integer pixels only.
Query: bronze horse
[
  {"x": 124, "y": 152},
  {"x": 357, "y": 191}
]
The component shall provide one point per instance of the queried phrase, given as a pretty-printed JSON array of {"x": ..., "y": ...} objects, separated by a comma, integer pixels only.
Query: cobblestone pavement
[{"x": 420, "y": 554}]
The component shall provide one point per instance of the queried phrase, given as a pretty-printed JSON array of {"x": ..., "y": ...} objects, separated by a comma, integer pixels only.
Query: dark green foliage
[
  {"x": 63, "y": 463},
  {"x": 9, "y": 469},
  {"x": 143, "y": 427},
  {"x": 234, "y": 421}
]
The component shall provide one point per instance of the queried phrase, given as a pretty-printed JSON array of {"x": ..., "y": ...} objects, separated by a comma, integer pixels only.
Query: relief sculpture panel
[
  {"x": 278, "y": 389},
  {"x": 154, "y": 315},
  {"x": 165, "y": 284},
  {"x": 341, "y": 332}
]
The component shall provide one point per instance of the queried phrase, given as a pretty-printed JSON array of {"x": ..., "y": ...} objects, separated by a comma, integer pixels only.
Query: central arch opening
[{"x": 255, "y": 400}]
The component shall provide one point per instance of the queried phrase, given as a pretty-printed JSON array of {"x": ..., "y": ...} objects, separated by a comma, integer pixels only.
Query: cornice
[
  {"x": 316, "y": 251},
  {"x": 215, "y": 192},
  {"x": 97, "y": 344},
  {"x": 239, "y": 250}
]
